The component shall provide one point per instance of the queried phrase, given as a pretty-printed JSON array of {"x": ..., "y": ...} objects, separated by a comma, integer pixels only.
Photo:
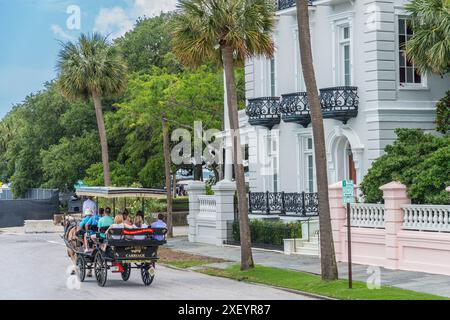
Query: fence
[
  {"x": 207, "y": 205},
  {"x": 32, "y": 194},
  {"x": 394, "y": 235},
  {"x": 426, "y": 218},
  {"x": 367, "y": 215},
  {"x": 288, "y": 203},
  {"x": 37, "y": 204}
]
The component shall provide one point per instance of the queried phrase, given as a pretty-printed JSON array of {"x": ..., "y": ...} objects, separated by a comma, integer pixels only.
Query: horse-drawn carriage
[{"x": 119, "y": 251}]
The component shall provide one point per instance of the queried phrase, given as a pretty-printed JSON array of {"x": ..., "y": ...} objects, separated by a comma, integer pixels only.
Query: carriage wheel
[
  {"x": 126, "y": 271},
  {"x": 100, "y": 269},
  {"x": 81, "y": 268},
  {"x": 148, "y": 273}
]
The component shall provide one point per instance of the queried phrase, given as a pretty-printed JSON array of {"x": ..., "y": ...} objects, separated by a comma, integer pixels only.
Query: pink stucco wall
[{"x": 391, "y": 247}]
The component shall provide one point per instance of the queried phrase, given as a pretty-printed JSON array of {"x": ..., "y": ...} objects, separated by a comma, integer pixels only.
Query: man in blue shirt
[{"x": 159, "y": 224}]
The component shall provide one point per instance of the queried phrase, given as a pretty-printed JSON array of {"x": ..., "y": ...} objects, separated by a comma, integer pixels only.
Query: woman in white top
[
  {"x": 118, "y": 224},
  {"x": 139, "y": 224}
]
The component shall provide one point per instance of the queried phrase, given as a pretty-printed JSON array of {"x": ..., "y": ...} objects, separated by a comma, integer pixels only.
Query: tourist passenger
[
  {"x": 90, "y": 204},
  {"x": 159, "y": 224},
  {"x": 105, "y": 222},
  {"x": 126, "y": 219},
  {"x": 118, "y": 224},
  {"x": 139, "y": 224}
]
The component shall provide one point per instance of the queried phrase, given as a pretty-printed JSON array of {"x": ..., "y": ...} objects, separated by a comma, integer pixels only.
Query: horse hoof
[{"x": 73, "y": 273}]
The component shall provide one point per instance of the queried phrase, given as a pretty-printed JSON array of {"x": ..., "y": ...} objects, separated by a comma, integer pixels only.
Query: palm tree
[
  {"x": 328, "y": 257},
  {"x": 227, "y": 31},
  {"x": 92, "y": 68},
  {"x": 429, "y": 47}
]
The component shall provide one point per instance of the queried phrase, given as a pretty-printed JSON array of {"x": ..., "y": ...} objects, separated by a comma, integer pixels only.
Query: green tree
[
  {"x": 148, "y": 45},
  {"x": 90, "y": 69},
  {"x": 66, "y": 162},
  {"x": 227, "y": 31},
  {"x": 417, "y": 159},
  {"x": 429, "y": 47},
  {"x": 443, "y": 114}
]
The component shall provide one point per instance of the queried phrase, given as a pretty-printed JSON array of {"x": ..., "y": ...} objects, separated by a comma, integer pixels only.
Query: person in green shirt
[{"x": 105, "y": 222}]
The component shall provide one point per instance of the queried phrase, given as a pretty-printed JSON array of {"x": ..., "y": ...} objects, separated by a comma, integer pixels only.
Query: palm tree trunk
[
  {"x": 174, "y": 183},
  {"x": 246, "y": 246},
  {"x": 166, "y": 148},
  {"x": 103, "y": 139},
  {"x": 328, "y": 258}
]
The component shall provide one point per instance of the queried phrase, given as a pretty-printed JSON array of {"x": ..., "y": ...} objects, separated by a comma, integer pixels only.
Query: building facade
[{"x": 367, "y": 90}]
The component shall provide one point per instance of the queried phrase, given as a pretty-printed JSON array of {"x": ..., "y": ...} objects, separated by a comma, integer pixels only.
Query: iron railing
[
  {"x": 286, "y": 4},
  {"x": 294, "y": 107},
  {"x": 285, "y": 203},
  {"x": 339, "y": 103},
  {"x": 263, "y": 111}
]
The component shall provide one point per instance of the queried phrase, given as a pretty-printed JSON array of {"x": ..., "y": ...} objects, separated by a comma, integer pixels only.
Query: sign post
[{"x": 348, "y": 197}]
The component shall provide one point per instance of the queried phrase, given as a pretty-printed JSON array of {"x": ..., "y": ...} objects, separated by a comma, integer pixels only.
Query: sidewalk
[{"x": 417, "y": 281}]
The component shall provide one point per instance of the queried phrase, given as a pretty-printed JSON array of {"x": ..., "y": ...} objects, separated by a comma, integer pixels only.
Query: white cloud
[
  {"x": 116, "y": 21},
  {"x": 60, "y": 33}
]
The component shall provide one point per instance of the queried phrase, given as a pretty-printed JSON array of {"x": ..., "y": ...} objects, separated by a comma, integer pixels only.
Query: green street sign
[{"x": 348, "y": 191}]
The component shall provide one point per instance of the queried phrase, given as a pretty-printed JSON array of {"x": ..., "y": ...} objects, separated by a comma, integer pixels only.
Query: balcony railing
[
  {"x": 263, "y": 111},
  {"x": 339, "y": 103},
  {"x": 285, "y": 203},
  {"x": 286, "y": 4},
  {"x": 294, "y": 107}
]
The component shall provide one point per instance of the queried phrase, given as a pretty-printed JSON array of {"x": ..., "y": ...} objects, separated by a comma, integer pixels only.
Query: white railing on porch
[
  {"x": 426, "y": 218},
  {"x": 367, "y": 215},
  {"x": 207, "y": 205}
]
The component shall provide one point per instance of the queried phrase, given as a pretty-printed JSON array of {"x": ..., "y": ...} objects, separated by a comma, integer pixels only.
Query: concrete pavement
[{"x": 34, "y": 266}]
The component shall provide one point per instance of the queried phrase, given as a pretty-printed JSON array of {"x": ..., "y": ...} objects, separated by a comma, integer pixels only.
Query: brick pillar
[
  {"x": 394, "y": 195},
  {"x": 194, "y": 189},
  {"x": 338, "y": 218},
  {"x": 224, "y": 191}
]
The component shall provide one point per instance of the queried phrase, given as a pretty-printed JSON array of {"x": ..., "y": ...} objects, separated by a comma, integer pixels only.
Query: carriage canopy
[{"x": 118, "y": 192}]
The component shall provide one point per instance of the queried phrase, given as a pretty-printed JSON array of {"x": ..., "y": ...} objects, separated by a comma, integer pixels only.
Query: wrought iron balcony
[
  {"x": 263, "y": 111},
  {"x": 339, "y": 103},
  {"x": 286, "y": 4},
  {"x": 286, "y": 203},
  {"x": 294, "y": 107}
]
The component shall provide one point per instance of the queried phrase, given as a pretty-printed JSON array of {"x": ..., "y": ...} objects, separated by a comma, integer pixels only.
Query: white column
[
  {"x": 228, "y": 165},
  {"x": 224, "y": 191},
  {"x": 194, "y": 189}
]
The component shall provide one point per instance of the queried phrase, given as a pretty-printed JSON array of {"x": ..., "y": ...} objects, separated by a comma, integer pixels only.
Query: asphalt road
[{"x": 36, "y": 267}]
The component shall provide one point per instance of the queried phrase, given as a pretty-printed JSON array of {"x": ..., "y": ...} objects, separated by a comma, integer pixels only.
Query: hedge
[
  {"x": 418, "y": 160},
  {"x": 270, "y": 232}
]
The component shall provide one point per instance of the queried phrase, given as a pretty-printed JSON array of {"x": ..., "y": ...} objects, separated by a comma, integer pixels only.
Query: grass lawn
[
  {"x": 183, "y": 260},
  {"x": 311, "y": 283}
]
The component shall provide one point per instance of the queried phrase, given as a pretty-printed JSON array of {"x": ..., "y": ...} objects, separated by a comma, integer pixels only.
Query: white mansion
[{"x": 367, "y": 90}]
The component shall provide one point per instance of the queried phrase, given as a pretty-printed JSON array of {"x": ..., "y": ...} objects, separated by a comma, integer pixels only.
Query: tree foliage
[
  {"x": 429, "y": 47},
  {"x": 416, "y": 159},
  {"x": 443, "y": 114}
]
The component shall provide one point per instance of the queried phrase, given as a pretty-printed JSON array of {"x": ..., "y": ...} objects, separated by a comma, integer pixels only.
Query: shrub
[
  {"x": 416, "y": 159},
  {"x": 443, "y": 114},
  {"x": 270, "y": 232}
]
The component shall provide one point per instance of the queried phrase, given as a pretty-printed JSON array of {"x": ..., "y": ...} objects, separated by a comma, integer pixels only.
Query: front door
[{"x": 351, "y": 168}]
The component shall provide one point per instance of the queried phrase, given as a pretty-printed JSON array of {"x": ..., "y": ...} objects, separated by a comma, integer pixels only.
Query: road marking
[{"x": 56, "y": 242}]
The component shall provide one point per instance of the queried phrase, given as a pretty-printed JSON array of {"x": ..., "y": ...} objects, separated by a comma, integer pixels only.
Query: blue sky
[{"x": 30, "y": 30}]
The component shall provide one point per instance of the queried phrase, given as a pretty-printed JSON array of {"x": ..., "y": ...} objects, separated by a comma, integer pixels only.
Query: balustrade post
[
  {"x": 338, "y": 216},
  {"x": 194, "y": 189},
  {"x": 394, "y": 195},
  {"x": 224, "y": 193}
]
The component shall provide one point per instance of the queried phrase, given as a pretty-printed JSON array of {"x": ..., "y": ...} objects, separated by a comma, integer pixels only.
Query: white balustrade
[
  {"x": 207, "y": 205},
  {"x": 367, "y": 215},
  {"x": 427, "y": 218}
]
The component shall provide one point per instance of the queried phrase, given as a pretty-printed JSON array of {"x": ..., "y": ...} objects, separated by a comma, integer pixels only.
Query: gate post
[
  {"x": 224, "y": 191},
  {"x": 195, "y": 189}
]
